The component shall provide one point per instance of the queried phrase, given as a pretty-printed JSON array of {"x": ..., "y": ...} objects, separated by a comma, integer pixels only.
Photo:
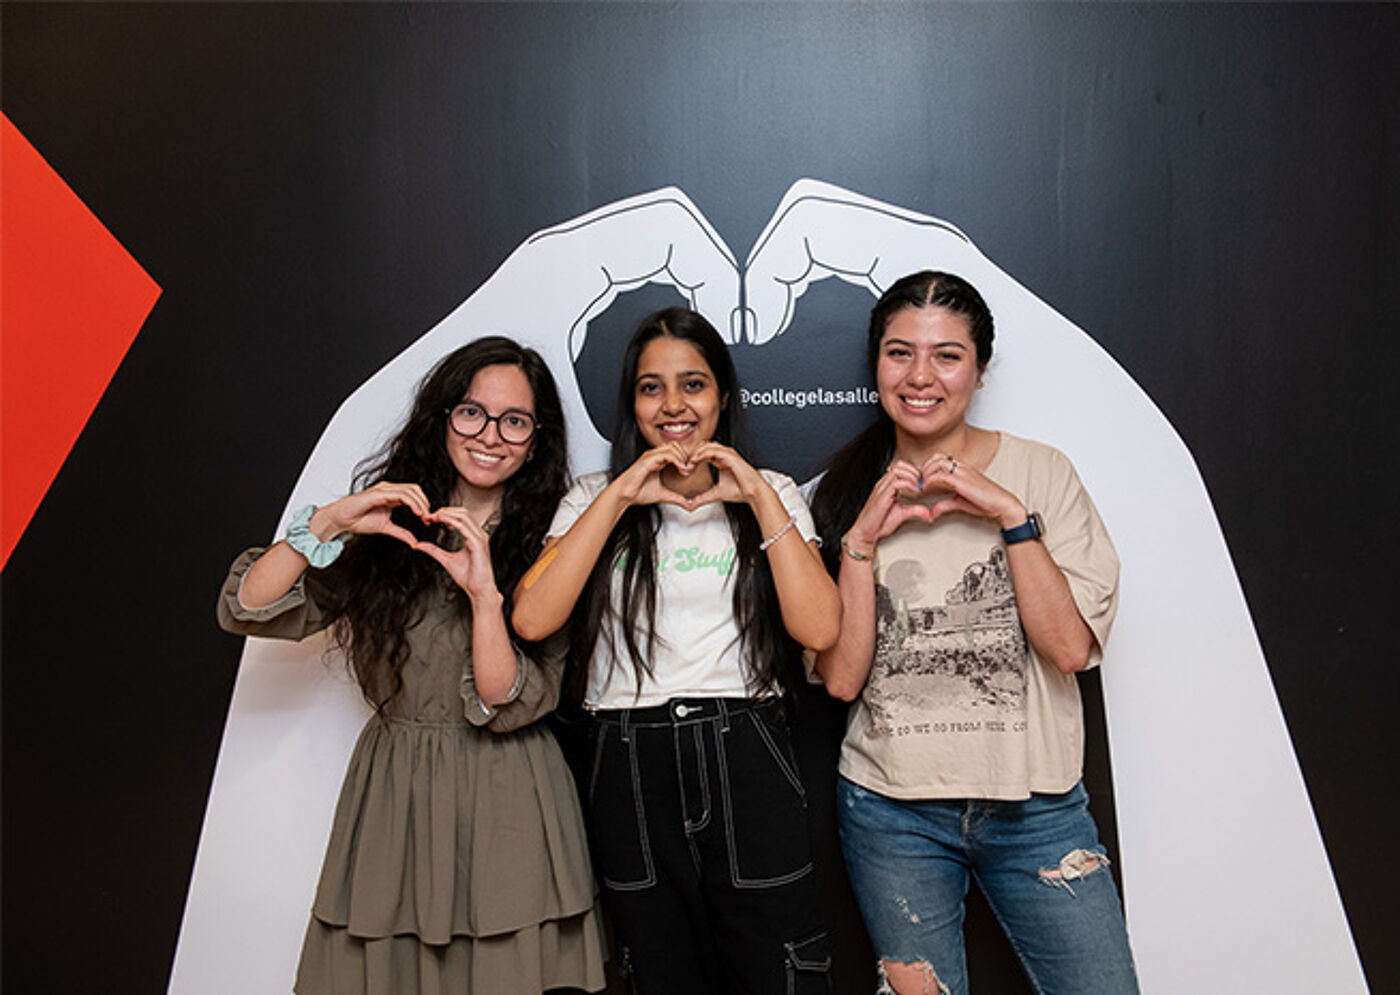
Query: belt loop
[
  {"x": 626, "y": 724},
  {"x": 723, "y": 715}
]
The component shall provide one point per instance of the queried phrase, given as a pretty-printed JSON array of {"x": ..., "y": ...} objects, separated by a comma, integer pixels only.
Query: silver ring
[{"x": 952, "y": 464}]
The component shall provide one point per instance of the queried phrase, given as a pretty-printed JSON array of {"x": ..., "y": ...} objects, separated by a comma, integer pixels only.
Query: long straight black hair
[
  {"x": 853, "y": 470},
  {"x": 375, "y": 589},
  {"x": 768, "y": 652}
]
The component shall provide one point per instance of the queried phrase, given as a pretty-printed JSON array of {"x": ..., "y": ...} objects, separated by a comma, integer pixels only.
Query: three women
[{"x": 973, "y": 579}]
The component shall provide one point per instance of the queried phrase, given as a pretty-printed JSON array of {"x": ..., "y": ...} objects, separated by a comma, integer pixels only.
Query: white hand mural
[{"x": 1220, "y": 857}]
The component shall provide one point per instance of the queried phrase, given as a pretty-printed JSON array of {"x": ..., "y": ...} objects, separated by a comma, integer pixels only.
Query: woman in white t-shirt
[
  {"x": 693, "y": 581},
  {"x": 976, "y": 578}
]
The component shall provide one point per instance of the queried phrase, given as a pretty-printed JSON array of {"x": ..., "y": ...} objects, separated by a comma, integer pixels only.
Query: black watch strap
[{"x": 1029, "y": 529}]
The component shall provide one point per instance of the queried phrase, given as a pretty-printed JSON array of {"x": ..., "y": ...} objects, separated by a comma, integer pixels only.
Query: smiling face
[
  {"x": 485, "y": 461},
  {"x": 675, "y": 397},
  {"x": 926, "y": 372}
]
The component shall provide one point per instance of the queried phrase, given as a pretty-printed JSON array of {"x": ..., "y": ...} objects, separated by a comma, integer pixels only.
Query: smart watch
[{"x": 1029, "y": 529}]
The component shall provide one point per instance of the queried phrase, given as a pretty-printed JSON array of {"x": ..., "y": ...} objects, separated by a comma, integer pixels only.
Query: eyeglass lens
[{"x": 513, "y": 426}]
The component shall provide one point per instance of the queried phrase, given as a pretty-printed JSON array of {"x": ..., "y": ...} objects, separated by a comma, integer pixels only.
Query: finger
[
  {"x": 904, "y": 477},
  {"x": 656, "y": 237},
  {"x": 438, "y": 553},
  {"x": 458, "y": 518},
  {"x": 409, "y": 495},
  {"x": 954, "y": 503},
  {"x": 681, "y": 459},
  {"x": 717, "y": 453},
  {"x": 398, "y": 532},
  {"x": 664, "y": 495},
  {"x": 708, "y": 496},
  {"x": 820, "y": 230},
  {"x": 417, "y": 500},
  {"x": 936, "y": 464},
  {"x": 902, "y": 513}
]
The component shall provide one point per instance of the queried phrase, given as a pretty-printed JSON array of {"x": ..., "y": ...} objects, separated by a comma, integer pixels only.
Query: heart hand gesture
[
  {"x": 369, "y": 512},
  {"x": 735, "y": 479},
  {"x": 643, "y": 483},
  {"x": 971, "y": 492},
  {"x": 888, "y": 507},
  {"x": 469, "y": 566}
]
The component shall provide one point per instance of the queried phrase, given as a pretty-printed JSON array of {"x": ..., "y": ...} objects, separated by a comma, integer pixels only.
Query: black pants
[{"x": 699, "y": 829}]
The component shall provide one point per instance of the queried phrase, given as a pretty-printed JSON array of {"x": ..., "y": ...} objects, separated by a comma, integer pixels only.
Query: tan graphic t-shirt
[{"x": 957, "y": 704}]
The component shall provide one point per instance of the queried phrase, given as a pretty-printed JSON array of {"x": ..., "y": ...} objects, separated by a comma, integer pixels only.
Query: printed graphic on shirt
[
  {"x": 688, "y": 559},
  {"x": 958, "y": 664}
]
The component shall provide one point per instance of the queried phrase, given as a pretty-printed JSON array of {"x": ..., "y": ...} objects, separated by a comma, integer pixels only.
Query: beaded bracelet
[
  {"x": 763, "y": 546},
  {"x": 300, "y": 537}
]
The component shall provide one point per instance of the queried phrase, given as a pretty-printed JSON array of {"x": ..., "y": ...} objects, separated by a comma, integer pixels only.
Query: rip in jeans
[
  {"x": 1075, "y": 865},
  {"x": 931, "y": 985}
]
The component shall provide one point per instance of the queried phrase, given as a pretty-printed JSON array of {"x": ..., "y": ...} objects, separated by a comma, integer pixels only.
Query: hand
[
  {"x": 659, "y": 237},
  {"x": 369, "y": 512},
  {"x": 469, "y": 566},
  {"x": 819, "y": 230},
  {"x": 642, "y": 483},
  {"x": 888, "y": 507},
  {"x": 735, "y": 480},
  {"x": 971, "y": 492}
]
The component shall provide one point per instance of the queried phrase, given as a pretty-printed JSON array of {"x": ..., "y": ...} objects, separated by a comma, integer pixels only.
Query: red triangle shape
[{"x": 71, "y": 303}]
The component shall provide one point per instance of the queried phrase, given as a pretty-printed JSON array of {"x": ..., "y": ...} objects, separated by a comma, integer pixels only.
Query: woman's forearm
[
  {"x": 494, "y": 663},
  {"x": 1051, "y": 620},
  {"x": 546, "y": 595},
  {"x": 807, "y": 598},
  {"x": 845, "y": 666}
]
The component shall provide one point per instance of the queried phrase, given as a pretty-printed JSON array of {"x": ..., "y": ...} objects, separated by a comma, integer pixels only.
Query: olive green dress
[{"x": 457, "y": 861}]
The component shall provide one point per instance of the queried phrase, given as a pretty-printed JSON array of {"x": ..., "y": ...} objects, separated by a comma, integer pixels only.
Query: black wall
[{"x": 1211, "y": 191}]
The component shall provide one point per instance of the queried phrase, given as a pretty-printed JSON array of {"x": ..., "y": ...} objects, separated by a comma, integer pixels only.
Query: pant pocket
[
  {"x": 762, "y": 803},
  {"x": 616, "y": 814},
  {"x": 808, "y": 964}
]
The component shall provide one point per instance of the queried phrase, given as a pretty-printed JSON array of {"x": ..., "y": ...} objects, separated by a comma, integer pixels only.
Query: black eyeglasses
[{"x": 470, "y": 419}]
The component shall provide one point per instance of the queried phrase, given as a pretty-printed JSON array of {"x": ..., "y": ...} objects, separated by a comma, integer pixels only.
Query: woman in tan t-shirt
[{"x": 976, "y": 579}]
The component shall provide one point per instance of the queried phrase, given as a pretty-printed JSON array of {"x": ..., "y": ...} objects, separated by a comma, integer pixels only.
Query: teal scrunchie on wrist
[{"x": 303, "y": 540}]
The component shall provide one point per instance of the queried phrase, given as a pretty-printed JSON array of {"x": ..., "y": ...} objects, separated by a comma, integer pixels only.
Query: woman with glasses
[{"x": 457, "y": 860}]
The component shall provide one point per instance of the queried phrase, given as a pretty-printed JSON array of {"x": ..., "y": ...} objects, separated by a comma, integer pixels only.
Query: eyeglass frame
[{"x": 489, "y": 418}]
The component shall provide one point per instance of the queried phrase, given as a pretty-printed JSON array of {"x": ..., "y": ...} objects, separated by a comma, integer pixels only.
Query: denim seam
[
  {"x": 722, "y": 761},
  {"x": 703, "y": 773},
  {"x": 783, "y": 765},
  {"x": 643, "y": 838}
]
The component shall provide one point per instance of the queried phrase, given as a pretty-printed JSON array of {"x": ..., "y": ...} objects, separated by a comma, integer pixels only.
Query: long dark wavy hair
[
  {"x": 375, "y": 589},
  {"x": 852, "y": 471},
  {"x": 769, "y": 654}
]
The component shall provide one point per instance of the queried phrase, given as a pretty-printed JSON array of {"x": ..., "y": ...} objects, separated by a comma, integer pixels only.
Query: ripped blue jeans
[
  {"x": 698, "y": 819},
  {"x": 1038, "y": 862}
]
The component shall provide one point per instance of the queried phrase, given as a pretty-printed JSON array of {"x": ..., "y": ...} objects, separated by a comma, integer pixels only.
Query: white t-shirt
[
  {"x": 957, "y": 704},
  {"x": 697, "y": 647}
]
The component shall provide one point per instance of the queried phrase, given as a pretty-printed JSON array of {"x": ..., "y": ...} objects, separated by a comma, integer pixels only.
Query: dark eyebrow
[
  {"x": 504, "y": 411},
  {"x": 682, "y": 374},
  {"x": 907, "y": 344}
]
